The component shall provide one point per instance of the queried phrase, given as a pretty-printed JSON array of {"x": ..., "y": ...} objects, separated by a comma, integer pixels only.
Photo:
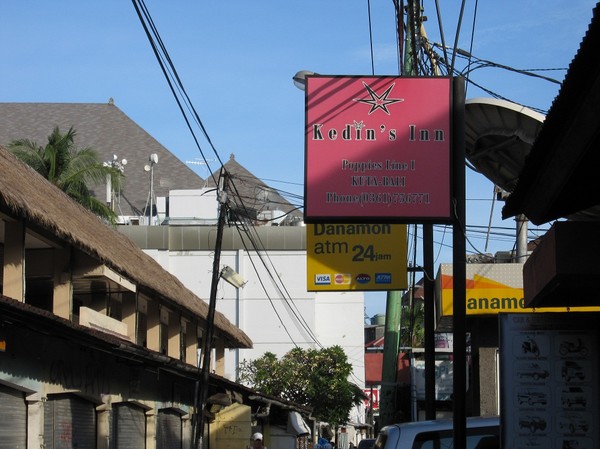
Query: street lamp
[
  {"x": 153, "y": 160},
  {"x": 229, "y": 275},
  {"x": 300, "y": 78}
]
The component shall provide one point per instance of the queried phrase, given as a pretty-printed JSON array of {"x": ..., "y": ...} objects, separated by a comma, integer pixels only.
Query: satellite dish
[
  {"x": 146, "y": 167},
  {"x": 154, "y": 158},
  {"x": 499, "y": 135}
]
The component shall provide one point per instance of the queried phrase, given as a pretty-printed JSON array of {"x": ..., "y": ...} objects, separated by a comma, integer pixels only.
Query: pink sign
[{"x": 377, "y": 148}]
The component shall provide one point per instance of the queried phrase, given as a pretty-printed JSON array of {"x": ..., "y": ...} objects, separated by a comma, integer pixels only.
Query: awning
[
  {"x": 296, "y": 425},
  {"x": 560, "y": 177}
]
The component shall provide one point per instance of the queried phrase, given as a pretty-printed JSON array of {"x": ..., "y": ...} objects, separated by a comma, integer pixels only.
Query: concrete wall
[{"x": 274, "y": 308}]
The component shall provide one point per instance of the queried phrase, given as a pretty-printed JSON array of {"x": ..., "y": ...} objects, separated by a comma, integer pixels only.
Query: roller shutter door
[
  {"x": 129, "y": 427},
  {"x": 13, "y": 419},
  {"x": 69, "y": 422},
  {"x": 168, "y": 432}
]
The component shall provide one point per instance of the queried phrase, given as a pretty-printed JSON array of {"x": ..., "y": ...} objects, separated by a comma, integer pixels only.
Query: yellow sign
[
  {"x": 356, "y": 257},
  {"x": 491, "y": 289}
]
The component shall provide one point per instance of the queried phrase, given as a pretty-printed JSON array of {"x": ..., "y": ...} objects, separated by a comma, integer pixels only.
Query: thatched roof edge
[{"x": 26, "y": 195}]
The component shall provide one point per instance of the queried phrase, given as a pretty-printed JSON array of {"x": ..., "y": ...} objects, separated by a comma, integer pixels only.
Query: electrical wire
[
  {"x": 471, "y": 43},
  {"x": 399, "y": 9},
  {"x": 474, "y": 63},
  {"x": 441, "y": 28},
  {"x": 371, "y": 37},
  {"x": 259, "y": 247},
  {"x": 458, "y": 26},
  {"x": 182, "y": 100},
  {"x": 440, "y": 244},
  {"x": 248, "y": 233},
  {"x": 490, "y": 219},
  {"x": 173, "y": 79}
]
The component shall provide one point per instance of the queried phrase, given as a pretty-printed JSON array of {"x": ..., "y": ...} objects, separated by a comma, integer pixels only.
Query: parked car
[
  {"x": 532, "y": 423},
  {"x": 532, "y": 398},
  {"x": 573, "y": 397},
  {"x": 570, "y": 444},
  {"x": 534, "y": 371},
  {"x": 366, "y": 443},
  {"x": 572, "y": 370},
  {"x": 439, "y": 434},
  {"x": 574, "y": 424}
]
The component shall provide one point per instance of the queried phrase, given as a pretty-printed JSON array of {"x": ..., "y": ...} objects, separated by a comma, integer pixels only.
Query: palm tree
[{"x": 70, "y": 169}]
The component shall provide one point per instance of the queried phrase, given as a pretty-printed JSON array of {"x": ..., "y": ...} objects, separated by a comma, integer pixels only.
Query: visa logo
[
  {"x": 383, "y": 278},
  {"x": 322, "y": 279}
]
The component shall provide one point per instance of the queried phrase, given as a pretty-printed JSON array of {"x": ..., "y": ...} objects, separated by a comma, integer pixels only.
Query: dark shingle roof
[
  {"x": 106, "y": 129},
  {"x": 252, "y": 194}
]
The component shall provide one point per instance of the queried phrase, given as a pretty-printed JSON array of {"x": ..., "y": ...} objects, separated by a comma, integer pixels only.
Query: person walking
[{"x": 257, "y": 441}]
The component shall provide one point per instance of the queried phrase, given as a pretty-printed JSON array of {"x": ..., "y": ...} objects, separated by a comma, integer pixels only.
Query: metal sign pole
[{"x": 459, "y": 268}]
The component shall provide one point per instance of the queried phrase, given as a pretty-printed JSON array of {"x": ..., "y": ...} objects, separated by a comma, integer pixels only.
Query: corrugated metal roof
[{"x": 560, "y": 175}]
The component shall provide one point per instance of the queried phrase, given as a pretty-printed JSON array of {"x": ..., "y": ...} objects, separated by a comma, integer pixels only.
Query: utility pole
[
  {"x": 387, "y": 400},
  {"x": 429, "y": 321},
  {"x": 202, "y": 389},
  {"x": 522, "y": 222},
  {"x": 409, "y": 41}
]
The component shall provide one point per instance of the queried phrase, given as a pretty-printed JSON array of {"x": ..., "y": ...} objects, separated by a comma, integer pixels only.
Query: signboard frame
[
  {"x": 356, "y": 256},
  {"x": 492, "y": 288},
  {"x": 378, "y": 149},
  {"x": 549, "y": 393}
]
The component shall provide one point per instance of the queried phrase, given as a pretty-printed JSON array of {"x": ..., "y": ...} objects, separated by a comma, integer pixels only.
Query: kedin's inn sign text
[{"x": 377, "y": 149}]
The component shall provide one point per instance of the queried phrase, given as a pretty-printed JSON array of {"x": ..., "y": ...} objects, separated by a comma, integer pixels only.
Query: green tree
[
  {"x": 314, "y": 378},
  {"x": 412, "y": 333},
  {"x": 72, "y": 170}
]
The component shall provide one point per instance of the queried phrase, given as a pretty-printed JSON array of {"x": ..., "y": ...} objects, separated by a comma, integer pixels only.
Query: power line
[
  {"x": 178, "y": 91},
  {"x": 258, "y": 246},
  {"x": 173, "y": 79}
]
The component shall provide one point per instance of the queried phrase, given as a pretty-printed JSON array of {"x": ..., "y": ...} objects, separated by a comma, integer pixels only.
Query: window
[{"x": 487, "y": 436}]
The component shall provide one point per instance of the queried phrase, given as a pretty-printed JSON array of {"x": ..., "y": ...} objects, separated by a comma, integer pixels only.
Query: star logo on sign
[{"x": 379, "y": 101}]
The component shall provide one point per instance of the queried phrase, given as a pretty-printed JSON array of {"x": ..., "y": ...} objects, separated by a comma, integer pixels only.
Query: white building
[{"x": 274, "y": 307}]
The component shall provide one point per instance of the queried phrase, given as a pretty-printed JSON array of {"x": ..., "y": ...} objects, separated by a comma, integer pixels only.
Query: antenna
[{"x": 205, "y": 162}]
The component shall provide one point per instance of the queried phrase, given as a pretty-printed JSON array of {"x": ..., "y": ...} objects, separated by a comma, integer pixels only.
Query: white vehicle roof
[{"x": 400, "y": 435}]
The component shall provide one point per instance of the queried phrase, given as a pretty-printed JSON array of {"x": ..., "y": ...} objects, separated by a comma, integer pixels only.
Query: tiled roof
[
  {"x": 252, "y": 193},
  {"x": 106, "y": 129}
]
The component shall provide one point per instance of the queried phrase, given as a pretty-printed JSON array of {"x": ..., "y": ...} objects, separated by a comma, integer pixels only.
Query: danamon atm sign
[{"x": 356, "y": 256}]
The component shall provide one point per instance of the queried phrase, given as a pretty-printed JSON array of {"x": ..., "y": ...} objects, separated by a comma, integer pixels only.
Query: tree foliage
[
  {"x": 412, "y": 331},
  {"x": 314, "y": 378},
  {"x": 72, "y": 170}
]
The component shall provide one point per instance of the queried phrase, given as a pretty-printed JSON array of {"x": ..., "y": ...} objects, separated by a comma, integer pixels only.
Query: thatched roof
[{"x": 26, "y": 195}]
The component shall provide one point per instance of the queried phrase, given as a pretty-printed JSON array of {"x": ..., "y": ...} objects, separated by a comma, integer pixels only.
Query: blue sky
[{"x": 236, "y": 60}]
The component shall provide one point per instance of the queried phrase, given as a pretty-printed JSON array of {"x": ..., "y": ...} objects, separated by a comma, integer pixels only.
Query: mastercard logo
[{"x": 342, "y": 279}]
